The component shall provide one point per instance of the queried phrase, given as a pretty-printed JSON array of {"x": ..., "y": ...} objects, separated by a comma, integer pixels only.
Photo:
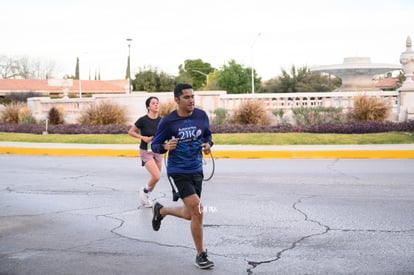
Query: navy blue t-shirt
[{"x": 191, "y": 132}]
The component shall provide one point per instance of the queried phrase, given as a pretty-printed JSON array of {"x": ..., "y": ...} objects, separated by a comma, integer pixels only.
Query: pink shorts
[{"x": 146, "y": 156}]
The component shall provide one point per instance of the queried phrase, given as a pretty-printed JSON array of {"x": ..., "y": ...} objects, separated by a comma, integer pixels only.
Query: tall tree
[
  {"x": 9, "y": 67},
  {"x": 212, "y": 82},
  {"x": 151, "y": 80},
  {"x": 236, "y": 79},
  {"x": 196, "y": 72},
  {"x": 77, "y": 69},
  {"x": 128, "y": 69},
  {"x": 301, "y": 80},
  {"x": 22, "y": 67}
]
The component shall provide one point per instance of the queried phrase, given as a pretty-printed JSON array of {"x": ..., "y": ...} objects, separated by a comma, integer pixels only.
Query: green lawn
[{"x": 245, "y": 138}]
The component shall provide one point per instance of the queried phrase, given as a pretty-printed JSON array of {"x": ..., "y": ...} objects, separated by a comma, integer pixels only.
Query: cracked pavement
[{"x": 79, "y": 215}]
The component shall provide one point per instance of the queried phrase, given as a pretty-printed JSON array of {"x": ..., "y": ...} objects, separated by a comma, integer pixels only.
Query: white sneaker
[{"x": 143, "y": 198}]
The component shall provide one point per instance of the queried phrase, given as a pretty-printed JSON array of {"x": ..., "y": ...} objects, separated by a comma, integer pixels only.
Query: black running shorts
[{"x": 187, "y": 184}]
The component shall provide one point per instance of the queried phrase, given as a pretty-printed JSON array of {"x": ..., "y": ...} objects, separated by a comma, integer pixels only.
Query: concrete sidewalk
[{"x": 220, "y": 151}]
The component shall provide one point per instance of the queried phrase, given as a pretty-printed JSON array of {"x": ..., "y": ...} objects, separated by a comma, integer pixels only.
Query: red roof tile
[
  {"x": 387, "y": 83},
  {"x": 92, "y": 86}
]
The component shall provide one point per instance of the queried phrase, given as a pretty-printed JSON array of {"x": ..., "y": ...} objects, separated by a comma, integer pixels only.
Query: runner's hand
[
  {"x": 171, "y": 144},
  {"x": 206, "y": 148}
]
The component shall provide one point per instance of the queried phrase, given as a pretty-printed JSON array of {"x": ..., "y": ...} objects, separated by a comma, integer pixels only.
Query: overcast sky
[{"x": 167, "y": 32}]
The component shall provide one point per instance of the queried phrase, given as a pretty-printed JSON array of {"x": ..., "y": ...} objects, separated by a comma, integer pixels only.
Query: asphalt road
[{"x": 79, "y": 215}]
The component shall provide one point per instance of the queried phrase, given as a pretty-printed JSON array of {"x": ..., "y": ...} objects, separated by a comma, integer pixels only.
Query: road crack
[
  {"x": 279, "y": 254},
  {"x": 121, "y": 223},
  {"x": 325, "y": 229}
]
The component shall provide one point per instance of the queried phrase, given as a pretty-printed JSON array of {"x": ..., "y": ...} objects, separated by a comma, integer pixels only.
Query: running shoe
[
  {"x": 156, "y": 219},
  {"x": 144, "y": 198},
  {"x": 202, "y": 261}
]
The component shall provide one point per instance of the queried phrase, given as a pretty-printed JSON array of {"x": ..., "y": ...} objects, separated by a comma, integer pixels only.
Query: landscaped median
[{"x": 219, "y": 151}]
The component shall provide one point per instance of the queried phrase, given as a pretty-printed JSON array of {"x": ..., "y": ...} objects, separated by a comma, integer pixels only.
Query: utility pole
[{"x": 252, "y": 61}]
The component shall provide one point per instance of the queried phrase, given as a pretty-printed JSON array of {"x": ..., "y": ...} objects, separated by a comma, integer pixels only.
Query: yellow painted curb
[
  {"x": 71, "y": 151},
  {"x": 219, "y": 154},
  {"x": 317, "y": 154}
]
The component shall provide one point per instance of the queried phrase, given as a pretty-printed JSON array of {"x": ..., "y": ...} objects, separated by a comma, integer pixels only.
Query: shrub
[
  {"x": 317, "y": 115},
  {"x": 27, "y": 120},
  {"x": 251, "y": 128},
  {"x": 5, "y": 101},
  {"x": 21, "y": 96},
  {"x": 352, "y": 127},
  {"x": 369, "y": 109},
  {"x": 10, "y": 113},
  {"x": 167, "y": 107},
  {"x": 103, "y": 113},
  {"x": 17, "y": 112},
  {"x": 220, "y": 116},
  {"x": 25, "y": 115},
  {"x": 279, "y": 113},
  {"x": 64, "y": 128},
  {"x": 55, "y": 116},
  {"x": 251, "y": 112}
]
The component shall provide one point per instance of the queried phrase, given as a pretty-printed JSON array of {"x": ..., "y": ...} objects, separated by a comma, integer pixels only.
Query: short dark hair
[
  {"x": 148, "y": 101},
  {"x": 178, "y": 90}
]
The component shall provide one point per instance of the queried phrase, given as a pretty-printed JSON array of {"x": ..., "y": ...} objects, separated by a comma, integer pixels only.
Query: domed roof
[
  {"x": 357, "y": 65},
  {"x": 357, "y": 73}
]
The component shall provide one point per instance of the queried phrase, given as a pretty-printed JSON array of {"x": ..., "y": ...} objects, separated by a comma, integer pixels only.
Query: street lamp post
[
  {"x": 129, "y": 64},
  {"x": 206, "y": 75},
  {"x": 80, "y": 81},
  {"x": 252, "y": 61},
  {"x": 197, "y": 71},
  {"x": 80, "y": 78}
]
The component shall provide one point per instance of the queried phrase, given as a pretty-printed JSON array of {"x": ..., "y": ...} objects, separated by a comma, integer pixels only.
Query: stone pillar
[
  {"x": 406, "y": 91},
  {"x": 66, "y": 84}
]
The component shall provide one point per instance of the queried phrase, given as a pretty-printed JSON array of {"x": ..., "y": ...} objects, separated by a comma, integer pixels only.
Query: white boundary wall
[{"x": 210, "y": 101}]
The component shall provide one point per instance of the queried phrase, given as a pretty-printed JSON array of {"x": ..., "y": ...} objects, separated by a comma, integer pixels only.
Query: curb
[
  {"x": 70, "y": 151},
  {"x": 219, "y": 153},
  {"x": 317, "y": 154}
]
